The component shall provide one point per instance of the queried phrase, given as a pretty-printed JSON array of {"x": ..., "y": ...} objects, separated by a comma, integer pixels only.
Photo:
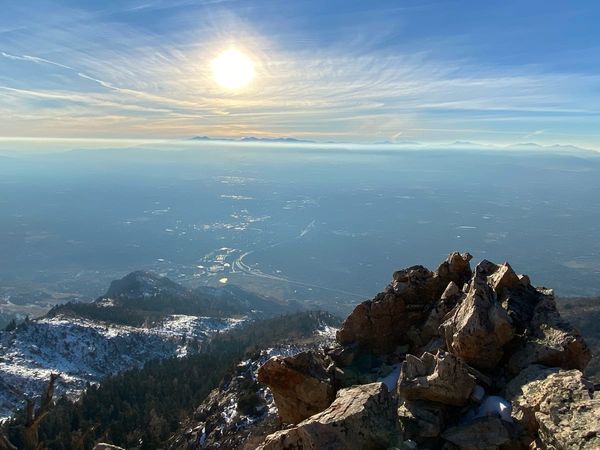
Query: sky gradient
[{"x": 498, "y": 72}]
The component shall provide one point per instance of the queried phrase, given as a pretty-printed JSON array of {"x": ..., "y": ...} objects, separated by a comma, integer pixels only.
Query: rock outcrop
[
  {"x": 558, "y": 406},
  {"x": 300, "y": 384},
  {"x": 550, "y": 340},
  {"x": 479, "y": 328},
  {"x": 381, "y": 324},
  {"x": 486, "y": 363},
  {"x": 481, "y": 434},
  {"x": 441, "y": 378},
  {"x": 361, "y": 417}
]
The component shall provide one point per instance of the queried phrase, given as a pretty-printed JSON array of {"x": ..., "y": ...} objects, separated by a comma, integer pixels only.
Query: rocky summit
[{"x": 456, "y": 358}]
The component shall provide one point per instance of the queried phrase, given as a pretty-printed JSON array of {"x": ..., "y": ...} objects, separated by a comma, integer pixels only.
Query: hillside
[
  {"x": 142, "y": 298},
  {"x": 142, "y": 317},
  {"x": 147, "y": 404}
]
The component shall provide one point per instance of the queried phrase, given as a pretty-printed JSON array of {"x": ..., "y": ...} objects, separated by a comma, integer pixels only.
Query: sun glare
[{"x": 232, "y": 69}]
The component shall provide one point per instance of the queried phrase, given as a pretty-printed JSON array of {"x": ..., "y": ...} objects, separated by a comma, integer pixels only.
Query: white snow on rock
[{"x": 391, "y": 379}]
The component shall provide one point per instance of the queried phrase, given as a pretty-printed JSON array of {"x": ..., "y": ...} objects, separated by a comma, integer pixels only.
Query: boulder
[
  {"x": 421, "y": 421},
  {"x": 558, "y": 406},
  {"x": 442, "y": 378},
  {"x": 430, "y": 329},
  {"x": 486, "y": 433},
  {"x": 376, "y": 325},
  {"x": 503, "y": 278},
  {"x": 524, "y": 406},
  {"x": 300, "y": 384},
  {"x": 380, "y": 325},
  {"x": 343, "y": 355},
  {"x": 478, "y": 328},
  {"x": 550, "y": 340},
  {"x": 361, "y": 417}
]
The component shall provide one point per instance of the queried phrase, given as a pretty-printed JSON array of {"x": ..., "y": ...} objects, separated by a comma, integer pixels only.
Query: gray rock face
[
  {"x": 439, "y": 378},
  {"x": 361, "y": 417},
  {"x": 300, "y": 384},
  {"x": 380, "y": 325}
]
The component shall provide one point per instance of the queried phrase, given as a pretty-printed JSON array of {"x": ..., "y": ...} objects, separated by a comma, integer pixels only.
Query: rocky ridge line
[{"x": 450, "y": 359}]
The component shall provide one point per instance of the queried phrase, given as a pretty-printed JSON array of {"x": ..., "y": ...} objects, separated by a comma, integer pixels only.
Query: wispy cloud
[
  {"x": 534, "y": 134},
  {"x": 103, "y": 75}
]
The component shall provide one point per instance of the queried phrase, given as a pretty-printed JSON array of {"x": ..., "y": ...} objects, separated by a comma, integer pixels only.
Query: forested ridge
[{"x": 140, "y": 408}]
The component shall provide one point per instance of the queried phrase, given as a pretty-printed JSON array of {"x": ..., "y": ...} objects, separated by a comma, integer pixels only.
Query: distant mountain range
[
  {"x": 525, "y": 146},
  {"x": 252, "y": 139}
]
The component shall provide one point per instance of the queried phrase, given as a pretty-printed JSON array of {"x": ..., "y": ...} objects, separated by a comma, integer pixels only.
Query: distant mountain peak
[{"x": 142, "y": 284}]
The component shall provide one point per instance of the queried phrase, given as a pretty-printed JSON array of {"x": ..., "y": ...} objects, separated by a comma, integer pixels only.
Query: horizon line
[{"x": 290, "y": 141}]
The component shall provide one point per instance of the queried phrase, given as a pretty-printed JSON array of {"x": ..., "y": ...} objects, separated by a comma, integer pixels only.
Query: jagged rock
[
  {"x": 449, "y": 298},
  {"x": 350, "y": 376},
  {"x": 470, "y": 329},
  {"x": 377, "y": 324},
  {"x": 558, "y": 406},
  {"x": 524, "y": 406},
  {"x": 486, "y": 433},
  {"x": 421, "y": 420},
  {"x": 551, "y": 341},
  {"x": 441, "y": 378},
  {"x": 504, "y": 277},
  {"x": 478, "y": 327},
  {"x": 380, "y": 325},
  {"x": 300, "y": 384},
  {"x": 103, "y": 446},
  {"x": 343, "y": 356},
  {"x": 361, "y": 417}
]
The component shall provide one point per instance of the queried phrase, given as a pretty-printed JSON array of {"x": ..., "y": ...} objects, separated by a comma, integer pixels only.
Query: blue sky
[{"x": 497, "y": 72}]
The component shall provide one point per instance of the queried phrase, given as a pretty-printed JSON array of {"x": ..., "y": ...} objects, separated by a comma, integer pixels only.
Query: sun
[{"x": 232, "y": 69}]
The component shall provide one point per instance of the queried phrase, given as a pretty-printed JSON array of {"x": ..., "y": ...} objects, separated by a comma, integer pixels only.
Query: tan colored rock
[
  {"x": 442, "y": 378},
  {"x": 381, "y": 324},
  {"x": 378, "y": 324},
  {"x": 554, "y": 347},
  {"x": 503, "y": 277},
  {"x": 487, "y": 433},
  {"x": 300, "y": 384},
  {"x": 361, "y": 417},
  {"x": 558, "y": 406},
  {"x": 478, "y": 328},
  {"x": 524, "y": 407},
  {"x": 576, "y": 428}
]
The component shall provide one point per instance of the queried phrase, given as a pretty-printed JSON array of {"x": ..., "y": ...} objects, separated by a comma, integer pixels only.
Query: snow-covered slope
[
  {"x": 143, "y": 316},
  {"x": 83, "y": 351}
]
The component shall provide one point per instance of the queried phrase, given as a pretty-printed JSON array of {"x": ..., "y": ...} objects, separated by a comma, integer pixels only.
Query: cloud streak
[{"x": 155, "y": 83}]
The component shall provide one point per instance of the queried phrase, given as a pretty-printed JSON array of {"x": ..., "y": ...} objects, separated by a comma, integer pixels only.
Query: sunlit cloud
[{"x": 143, "y": 83}]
